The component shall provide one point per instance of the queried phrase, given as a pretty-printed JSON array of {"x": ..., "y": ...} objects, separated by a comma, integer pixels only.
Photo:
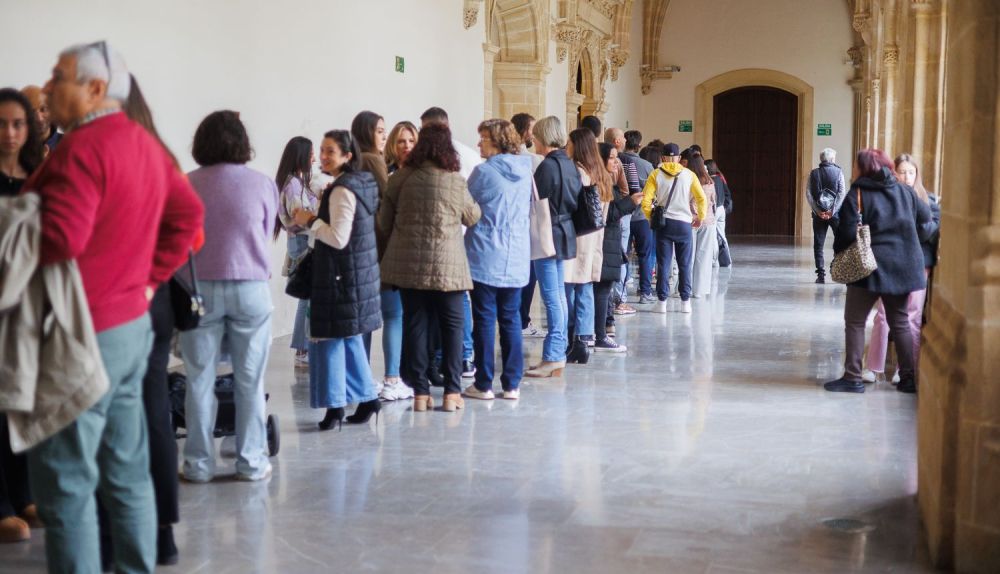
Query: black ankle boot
[
  {"x": 166, "y": 550},
  {"x": 333, "y": 416},
  {"x": 365, "y": 411},
  {"x": 578, "y": 353}
]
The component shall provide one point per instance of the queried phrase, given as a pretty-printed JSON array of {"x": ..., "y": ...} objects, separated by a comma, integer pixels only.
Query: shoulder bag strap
[
  {"x": 673, "y": 188},
  {"x": 861, "y": 216},
  {"x": 194, "y": 275}
]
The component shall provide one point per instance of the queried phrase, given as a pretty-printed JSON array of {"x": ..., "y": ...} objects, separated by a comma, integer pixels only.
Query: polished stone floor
[{"x": 709, "y": 448}]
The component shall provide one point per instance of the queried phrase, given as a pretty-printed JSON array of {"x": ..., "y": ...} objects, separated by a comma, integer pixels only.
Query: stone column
[
  {"x": 490, "y": 53},
  {"x": 876, "y": 106},
  {"x": 890, "y": 57},
  {"x": 573, "y": 101},
  {"x": 858, "y": 138},
  {"x": 921, "y": 47}
]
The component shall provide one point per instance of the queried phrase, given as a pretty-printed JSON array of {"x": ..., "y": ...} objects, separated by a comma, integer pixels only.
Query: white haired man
[
  {"x": 825, "y": 191},
  {"x": 114, "y": 202}
]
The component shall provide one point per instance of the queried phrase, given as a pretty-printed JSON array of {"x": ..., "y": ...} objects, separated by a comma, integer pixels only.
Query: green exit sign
[
  {"x": 400, "y": 64},
  {"x": 824, "y": 129},
  {"x": 685, "y": 126}
]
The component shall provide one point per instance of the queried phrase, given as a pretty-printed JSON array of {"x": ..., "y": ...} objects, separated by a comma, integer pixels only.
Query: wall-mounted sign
[
  {"x": 824, "y": 129},
  {"x": 685, "y": 126},
  {"x": 400, "y": 64}
]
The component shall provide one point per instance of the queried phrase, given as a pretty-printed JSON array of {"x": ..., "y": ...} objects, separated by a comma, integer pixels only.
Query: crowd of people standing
[{"x": 404, "y": 230}]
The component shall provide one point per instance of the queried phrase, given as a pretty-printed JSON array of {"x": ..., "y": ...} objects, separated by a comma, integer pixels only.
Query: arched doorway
[{"x": 754, "y": 139}]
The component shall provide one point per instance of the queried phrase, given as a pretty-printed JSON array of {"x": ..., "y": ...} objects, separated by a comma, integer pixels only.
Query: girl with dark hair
[
  {"x": 344, "y": 304},
  {"x": 21, "y": 153},
  {"x": 706, "y": 242},
  {"x": 21, "y": 146},
  {"x": 894, "y": 215},
  {"x": 293, "y": 178},
  {"x": 584, "y": 270},
  {"x": 233, "y": 272},
  {"x": 420, "y": 223},
  {"x": 621, "y": 204},
  {"x": 368, "y": 130}
]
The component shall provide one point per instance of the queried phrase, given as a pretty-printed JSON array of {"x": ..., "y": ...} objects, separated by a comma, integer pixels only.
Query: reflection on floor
[{"x": 710, "y": 447}]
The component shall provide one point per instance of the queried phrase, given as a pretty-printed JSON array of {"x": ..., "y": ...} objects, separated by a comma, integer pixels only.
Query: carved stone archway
[
  {"x": 704, "y": 114},
  {"x": 516, "y": 57}
]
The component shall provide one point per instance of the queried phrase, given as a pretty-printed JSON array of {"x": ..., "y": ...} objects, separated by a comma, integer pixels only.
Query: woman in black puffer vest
[{"x": 345, "y": 302}]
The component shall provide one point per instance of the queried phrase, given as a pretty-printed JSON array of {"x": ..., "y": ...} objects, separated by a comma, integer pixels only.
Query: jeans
[
  {"x": 297, "y": 245},
  {"x": 527, "y": 296},
  {"x": 602, "y": 302},
  {"x": 467, "y": 346},
  {"x": 580, "y": 302},
  {"x": 674, "y": 236},
  {"x": 820, "y": 226},
  {"x": 642, "y": 238},
  {"x": 104, "y": 450},
  {"x": 549, "y": 273},
  {"x": 392, "y": 331},
  {"x": 858, "y": 305},
  {"x": 240, "y": 311},
  {"x": 419, "y": 308},
  {"x": 620, "y": 289},
  {"x": 339, "y": 373},
  {"x": 490, "y": 304}
]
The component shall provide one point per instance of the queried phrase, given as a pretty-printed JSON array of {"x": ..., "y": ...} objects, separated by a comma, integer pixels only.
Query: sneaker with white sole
[
  {"x": 532, "y": 332},
  {"x": 511, "y": 395},
  {"x": 647, "y": 299},
  {"x": 685, "y": 307},
  {"x": 302, "y": 361},
  {"x": 895, "y": 378},
  {"x": 623, "y": 309},
  {"x": 396, "y": 391},
  {"x": 609, "y": 346},
  {"x": 260, "y": 477},
  {"x": 468, "y": 370},
  {"x": 473, "y": 393},
  {"x": 661, "y": 307},
  {"x": 873, "y": 376}
]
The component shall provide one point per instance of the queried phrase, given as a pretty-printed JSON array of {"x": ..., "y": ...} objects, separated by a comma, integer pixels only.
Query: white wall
[
  {"x": 625, "y": 95},
  {"x": 290, "y": 68},
  {"x": 808, "y": 39}
]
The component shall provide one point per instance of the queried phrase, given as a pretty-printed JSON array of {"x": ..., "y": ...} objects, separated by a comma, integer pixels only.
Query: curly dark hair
[
  {"x": 503, "y": 135},
  {"x": 434, "y": 146},
  {"x": 221, "y": 138},
  {"x": 33, "y": 151}
]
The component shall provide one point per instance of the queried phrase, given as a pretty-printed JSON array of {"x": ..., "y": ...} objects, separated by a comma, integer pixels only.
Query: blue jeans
[
  {"x": 488, "y": 305},
  {"x": 549, "y": 273},
  {"x": 674, "y": 236},
  {"x": 620, "y": 288},
  {"x": 297, "y": 245},
  {"x": 240, "y": 311},
  {"x": 642, "y": 239},
  {"x": 527, "y": 294},
  {"x": 392, "y": 331},
  {"x": 580, "y": 300},
  {"x": 339, "y": 373},
  {"x": 104, "y": 450},
  {"x": 467, "y": 347}
]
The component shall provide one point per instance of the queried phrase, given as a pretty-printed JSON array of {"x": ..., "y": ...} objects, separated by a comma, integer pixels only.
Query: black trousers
[
  {"x": 602, "y": 304},
  {"x": 156, "y": 398},
  {"x": 857, "y": 306},
  {"x": 15, "y": 494},
  {"x": 420, "y": 308},
  {"x": 820, "y": 227},
  {"x": 527, "y": 295}
]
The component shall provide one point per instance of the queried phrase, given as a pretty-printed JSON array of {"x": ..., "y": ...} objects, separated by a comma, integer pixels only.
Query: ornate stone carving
[
  {"x": 562, "y": 51},
  {"x": 606, "y": 7},
  {"x": 618, "y": 58},
  {"x": 890, "y": 57},
  {"x": 860, "y": 22},
  {"x": 567, "y": 36},
  {"x": 855, "y": 55},
  {"x": 876, "y": 85},
  {"x": 470, "y": 13}
]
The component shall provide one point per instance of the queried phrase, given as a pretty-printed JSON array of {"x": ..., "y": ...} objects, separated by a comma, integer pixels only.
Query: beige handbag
[
  {"x": 857, "y": 261},
  {"x": 542, "y": 244}
]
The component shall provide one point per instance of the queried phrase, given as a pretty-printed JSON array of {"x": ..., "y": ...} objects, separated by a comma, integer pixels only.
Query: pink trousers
[{"x": 879, "y": 345}]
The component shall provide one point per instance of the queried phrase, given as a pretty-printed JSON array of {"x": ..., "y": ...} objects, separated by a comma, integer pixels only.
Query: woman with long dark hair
[
  {"x": 293, "y": 178},
  {"x": 21, "y": 152},
  {"x": 706, "y": 242},
  {"x": 344, "y": 303},
  {"x": 368, "y": 130},
  {"x": 894, "y": 214},
  {"x": 420, "y": 223}
]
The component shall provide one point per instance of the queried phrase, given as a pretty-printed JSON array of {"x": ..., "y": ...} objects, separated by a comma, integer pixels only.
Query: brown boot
[
  {"x": 453, "y": 402},
  {"x": 30, "y": 515},
  {"x": 422, "y": 403},
  {"x": 13, "y": 529}
]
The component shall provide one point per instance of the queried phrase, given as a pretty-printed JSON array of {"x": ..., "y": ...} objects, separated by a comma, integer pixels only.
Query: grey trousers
[{"x": 856, "y": 310}]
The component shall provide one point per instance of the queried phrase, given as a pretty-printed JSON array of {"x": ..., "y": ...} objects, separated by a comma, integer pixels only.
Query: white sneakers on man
[
  {"x": 661, "y": 307},
  {"x": 685, "y": 307},
  {"x": 395, "y": 391},
  {"x": 473, "y": 393}
]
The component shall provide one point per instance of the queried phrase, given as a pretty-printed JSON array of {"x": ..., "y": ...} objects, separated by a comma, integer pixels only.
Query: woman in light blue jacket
[{"x": 499, "y": 254}]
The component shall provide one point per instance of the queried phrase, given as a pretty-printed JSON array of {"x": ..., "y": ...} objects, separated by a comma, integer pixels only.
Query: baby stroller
[{"x": 225, "y": 419}]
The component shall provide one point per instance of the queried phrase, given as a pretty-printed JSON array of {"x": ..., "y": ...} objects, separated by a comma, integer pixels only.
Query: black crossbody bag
[{"x": 186, "y": 300}]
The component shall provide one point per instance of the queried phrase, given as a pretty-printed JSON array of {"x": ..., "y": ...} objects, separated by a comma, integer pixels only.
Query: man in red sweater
[{"x": 113, "y": 201}]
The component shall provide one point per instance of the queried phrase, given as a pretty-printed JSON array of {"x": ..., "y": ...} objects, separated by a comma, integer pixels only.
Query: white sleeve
[{"x": 341, "y": 214}]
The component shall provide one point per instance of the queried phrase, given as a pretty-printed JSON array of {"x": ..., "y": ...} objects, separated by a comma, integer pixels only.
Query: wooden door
[{"x": 755, "y": 145}]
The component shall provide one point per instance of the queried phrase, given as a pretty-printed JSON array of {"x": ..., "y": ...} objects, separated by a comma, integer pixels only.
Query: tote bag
[
  {"x": 857, "y": 261},
  {"x": 542, "y": 244}
]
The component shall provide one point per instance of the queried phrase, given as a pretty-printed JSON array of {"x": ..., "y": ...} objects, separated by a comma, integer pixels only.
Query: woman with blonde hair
[{"x": 401, "y": 141}]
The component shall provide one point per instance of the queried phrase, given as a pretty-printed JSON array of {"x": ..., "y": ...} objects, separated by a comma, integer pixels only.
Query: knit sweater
[{"x": 113, "y": 200}]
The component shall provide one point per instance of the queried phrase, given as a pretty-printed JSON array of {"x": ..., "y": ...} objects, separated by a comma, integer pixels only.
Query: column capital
[{"x": 890, "y": 56}]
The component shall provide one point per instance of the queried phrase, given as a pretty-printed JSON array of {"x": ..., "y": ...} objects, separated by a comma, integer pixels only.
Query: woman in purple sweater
[{"x": 233, "y": 270}]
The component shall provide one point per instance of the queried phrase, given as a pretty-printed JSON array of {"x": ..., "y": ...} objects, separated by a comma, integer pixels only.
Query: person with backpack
[{"x": 825, "y": 193}]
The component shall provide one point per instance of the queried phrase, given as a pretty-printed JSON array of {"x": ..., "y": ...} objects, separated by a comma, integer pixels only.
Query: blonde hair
[
  {"x": 918, "y": 184},
  {"x": 549, "y": 132},
  {"x": 502, "y": 134},
  {"x": 390, "y": 143}
]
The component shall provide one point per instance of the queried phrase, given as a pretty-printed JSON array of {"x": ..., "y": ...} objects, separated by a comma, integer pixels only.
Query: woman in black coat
[
  {"x": 894, "y": 214},
  {"x": 558, "y": 181},
  {"x": 613, "y": 256}
]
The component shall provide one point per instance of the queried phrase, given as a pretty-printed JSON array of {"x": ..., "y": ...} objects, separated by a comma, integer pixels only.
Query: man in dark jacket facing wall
[{"x": 825, "y": 192}]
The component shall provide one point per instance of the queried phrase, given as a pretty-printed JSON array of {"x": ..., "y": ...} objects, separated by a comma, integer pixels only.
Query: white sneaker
[
  {"x": 302, "y": 361},
  {"x": 531, "y": 332},
  {"x": 895, "y": 378},
  {"x": 512, "y": 395},
  {"x": 473, "y": 393},
  {"x": 396, "y": 391},
  {"x": 646, "y": 300},
  {"x": 685, "y": 307},
  {"x": 661, "y": 307}
]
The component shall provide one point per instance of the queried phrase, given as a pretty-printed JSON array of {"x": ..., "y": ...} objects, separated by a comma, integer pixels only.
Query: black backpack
[{"x": 824, "y": 197}]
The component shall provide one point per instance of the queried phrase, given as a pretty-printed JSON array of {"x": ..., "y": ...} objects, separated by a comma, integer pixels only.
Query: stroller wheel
[{"x": 273, "y": 435}]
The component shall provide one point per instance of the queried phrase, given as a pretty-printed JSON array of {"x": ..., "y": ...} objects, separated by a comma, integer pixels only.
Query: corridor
[{"x": 710, "y": 448}]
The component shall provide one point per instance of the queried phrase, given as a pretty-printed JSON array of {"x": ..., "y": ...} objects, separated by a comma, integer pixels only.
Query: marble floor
[{"x": 709, "y": 448}]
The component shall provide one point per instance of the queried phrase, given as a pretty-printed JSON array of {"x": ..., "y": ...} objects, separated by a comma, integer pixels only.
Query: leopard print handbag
[{"x": 857, "y": 261}]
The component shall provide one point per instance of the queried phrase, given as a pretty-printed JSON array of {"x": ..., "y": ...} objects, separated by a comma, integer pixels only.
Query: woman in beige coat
[{"x": 420, "y": 222}]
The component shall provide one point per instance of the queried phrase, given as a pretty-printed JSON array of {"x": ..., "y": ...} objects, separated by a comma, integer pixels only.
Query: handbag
[
  {"x": 543, "y": 245},
  {"x": 589, "y": 214},
  {"x": 185, "y": 300},
  {"x": 857, "y": 261},
  {"x": 659, "y": 213},
  {"x": 300, "y": 277}
]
